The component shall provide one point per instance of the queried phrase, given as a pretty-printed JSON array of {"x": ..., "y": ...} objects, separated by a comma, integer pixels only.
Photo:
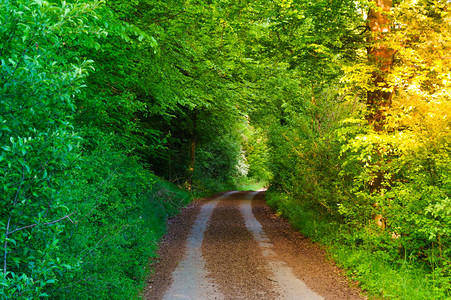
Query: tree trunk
[
  {"x": 379, "y": 99},
  {"x": 192, "y": 151},
  {"x": 380, "y": 55}
]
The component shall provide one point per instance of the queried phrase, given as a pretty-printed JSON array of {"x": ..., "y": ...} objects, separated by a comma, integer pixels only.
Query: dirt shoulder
[{"x": 171, "y": 251}]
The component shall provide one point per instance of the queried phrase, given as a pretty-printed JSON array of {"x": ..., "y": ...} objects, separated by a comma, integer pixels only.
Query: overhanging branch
[{"x": 44, "y": 224}]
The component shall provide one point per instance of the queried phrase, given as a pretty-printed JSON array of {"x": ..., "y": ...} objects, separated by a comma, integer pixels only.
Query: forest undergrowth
[{"x": 372, "y": 269}]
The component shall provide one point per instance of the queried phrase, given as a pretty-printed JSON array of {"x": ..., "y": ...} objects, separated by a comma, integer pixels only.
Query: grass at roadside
[
  {"x": 376, "y": 272},
  {"x": 165, "y": 200}
]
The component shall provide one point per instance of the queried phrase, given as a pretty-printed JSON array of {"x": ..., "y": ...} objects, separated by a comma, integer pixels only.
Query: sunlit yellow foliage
[{"x": 422, "y": 72}]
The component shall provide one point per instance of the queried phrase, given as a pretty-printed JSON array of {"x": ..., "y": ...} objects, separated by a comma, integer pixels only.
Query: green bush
[
  {"x": 333, "y": 177},
  {"x": 121, "y": 214},
  {"x": 39, "y": 76}
]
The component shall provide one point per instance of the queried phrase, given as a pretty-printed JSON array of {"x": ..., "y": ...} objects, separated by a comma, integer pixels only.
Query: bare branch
[
  {"x": 158, "y": 21},
  {"x": 244, "y": 87},
  {"x": 11, "y": 112},
  {"x": 48, "y": 223},
  {"x": 16, "y": 198},
  {"x": 6, "y": 245}
]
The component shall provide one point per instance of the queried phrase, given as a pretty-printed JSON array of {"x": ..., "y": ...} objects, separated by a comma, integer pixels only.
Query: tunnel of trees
[{"x": 113, "y": 114}]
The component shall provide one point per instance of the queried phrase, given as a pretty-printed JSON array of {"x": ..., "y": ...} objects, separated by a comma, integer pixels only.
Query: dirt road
[{"x": 234, "y": 247}]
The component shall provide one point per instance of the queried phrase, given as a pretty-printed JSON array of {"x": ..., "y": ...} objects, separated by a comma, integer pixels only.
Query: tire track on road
[
  {"x": 190, "y": 277},
  {"x": 289, "y": 286}
]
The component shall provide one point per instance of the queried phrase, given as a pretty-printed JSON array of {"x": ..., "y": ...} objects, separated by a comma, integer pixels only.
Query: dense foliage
[
  {"x": 94, "y": 98},
  {"x": 79, "y": 215},
  {"x": 378, "y": 174},
  {"x": 343, "y": 106}
]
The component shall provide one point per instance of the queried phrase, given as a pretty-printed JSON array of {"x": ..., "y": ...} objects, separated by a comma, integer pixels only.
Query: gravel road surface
[{"x": 233, "y": 246}]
